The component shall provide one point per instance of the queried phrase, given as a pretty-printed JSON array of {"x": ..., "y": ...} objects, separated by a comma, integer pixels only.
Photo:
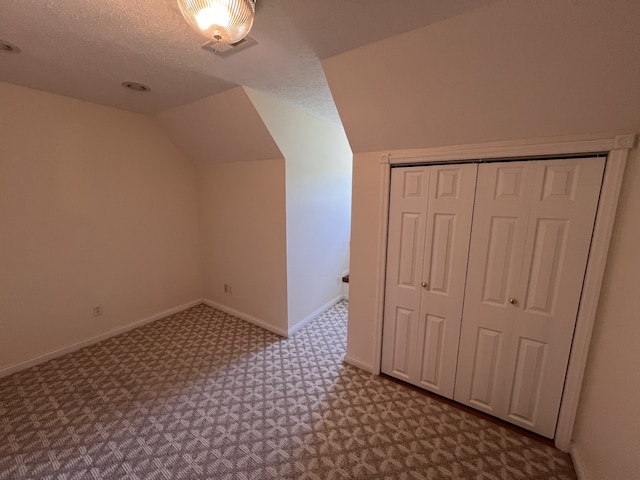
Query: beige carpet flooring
[{"x": 203, "y": 395}]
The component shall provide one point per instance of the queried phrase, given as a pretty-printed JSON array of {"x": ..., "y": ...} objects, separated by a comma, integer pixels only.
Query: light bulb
[{"x": 213, "y": 15}]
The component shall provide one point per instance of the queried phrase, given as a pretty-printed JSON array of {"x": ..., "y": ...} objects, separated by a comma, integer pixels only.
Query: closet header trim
[{"x": 513, "y": 149}]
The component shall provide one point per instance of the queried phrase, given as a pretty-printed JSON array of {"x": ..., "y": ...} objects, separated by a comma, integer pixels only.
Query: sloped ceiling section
[
  {"x": 460, "y": 81},
  {"x": 297, "y": 133},
  {"x": 221, "y": 128}
]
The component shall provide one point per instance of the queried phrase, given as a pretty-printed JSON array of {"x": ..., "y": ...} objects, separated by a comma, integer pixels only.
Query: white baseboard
[
  {"x": 358, "y": 363},
  {"x": 302, "y": 323},
  {"x": 16, "y": 367},
  {"x": 578, "y": 463},
  {"x": 246, "y": 317}
]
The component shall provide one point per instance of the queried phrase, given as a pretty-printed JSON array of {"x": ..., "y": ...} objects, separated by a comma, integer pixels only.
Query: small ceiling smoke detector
[
  {"x": 136, "y": 87},
  {"x": 6, "y": 47}
]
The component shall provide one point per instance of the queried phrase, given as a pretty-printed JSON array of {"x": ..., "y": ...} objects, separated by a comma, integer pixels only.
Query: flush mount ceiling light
[
  {"x": 6, "y": 47},
  {"x": 225, "y": 21}
]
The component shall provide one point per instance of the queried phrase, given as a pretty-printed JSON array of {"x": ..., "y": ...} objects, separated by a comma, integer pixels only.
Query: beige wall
[
  {"x": 512, "y": 70},
  {"x": 607, "y": 431},
  {"x": 96, "y": 207},
  {"x": 242, "y": 212},
  {"x": 276, "y": 230},
  {"x": 365, "y": 244},
  {"x": 241, "y": 190},
  {"x": 318, "y": 204},
  {"x": 221, "y": 128}
]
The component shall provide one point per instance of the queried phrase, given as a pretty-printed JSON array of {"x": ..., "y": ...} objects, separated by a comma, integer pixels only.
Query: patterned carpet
[{"x": 203, "y": 395}]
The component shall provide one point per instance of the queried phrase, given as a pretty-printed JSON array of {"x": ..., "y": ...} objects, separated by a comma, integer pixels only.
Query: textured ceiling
[{"x": 86, "y": 48}]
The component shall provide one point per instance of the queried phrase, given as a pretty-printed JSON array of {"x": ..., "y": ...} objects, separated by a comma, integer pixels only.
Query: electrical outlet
[
  {"x": 97, "y": 311},
  {"x": 226, "y": 288}
]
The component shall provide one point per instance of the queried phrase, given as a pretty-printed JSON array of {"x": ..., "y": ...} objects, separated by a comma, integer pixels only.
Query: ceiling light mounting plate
[
  {"x": 136, "y": 87},
  {"x": 6, "y": 47},
  {"x": 227, "y": 49}
]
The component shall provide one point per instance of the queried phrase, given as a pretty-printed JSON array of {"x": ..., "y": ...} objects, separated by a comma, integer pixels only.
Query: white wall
[
  {"x": 318, "y": 203},
  {"x": 242, "y": 212},
  {"x": 512, "y": 70},
  {"x": 96, "y": 207}
]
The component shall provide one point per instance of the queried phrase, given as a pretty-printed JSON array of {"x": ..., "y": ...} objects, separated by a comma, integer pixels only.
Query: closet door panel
[
  {"x": 500, "y": 256},
  {"x": 547, "y": 257},
  {"x": 563, "y": 209},
  {"x": 530, "y": 244},
  {"x": 486, "y": 362},
  {"x": 404, "y": 323},
  {"x": 429, "y": 230},
  {"x": 405, "y": 254},
  {"x": 449, "y": 213},
  {"x": 499, "y": 230},
  {"x": 443, "y": 227},
  {"x": 525, "y": 393},
  {"x": 431, "y": 345}
]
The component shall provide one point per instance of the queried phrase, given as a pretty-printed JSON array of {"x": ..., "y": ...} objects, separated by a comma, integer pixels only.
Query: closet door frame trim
[{"x": 617, "y": 149}]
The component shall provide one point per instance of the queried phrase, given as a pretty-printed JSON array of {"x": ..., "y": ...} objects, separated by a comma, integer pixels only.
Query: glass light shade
[{"x": 226, "y": 21}]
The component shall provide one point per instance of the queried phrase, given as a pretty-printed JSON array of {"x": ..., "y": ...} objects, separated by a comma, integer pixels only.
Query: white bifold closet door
[
  {"x": 530, "y": 241},
  {"x": 428, "y": 243}
]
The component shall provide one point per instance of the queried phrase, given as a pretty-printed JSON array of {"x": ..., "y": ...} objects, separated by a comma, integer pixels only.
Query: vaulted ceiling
[{"x": 86, "y": 48}]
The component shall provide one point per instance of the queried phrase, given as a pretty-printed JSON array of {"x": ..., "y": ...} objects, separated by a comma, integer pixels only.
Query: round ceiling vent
[
  {"x": 6, "y": 47},
  {"x": 136, "y": 87}
]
